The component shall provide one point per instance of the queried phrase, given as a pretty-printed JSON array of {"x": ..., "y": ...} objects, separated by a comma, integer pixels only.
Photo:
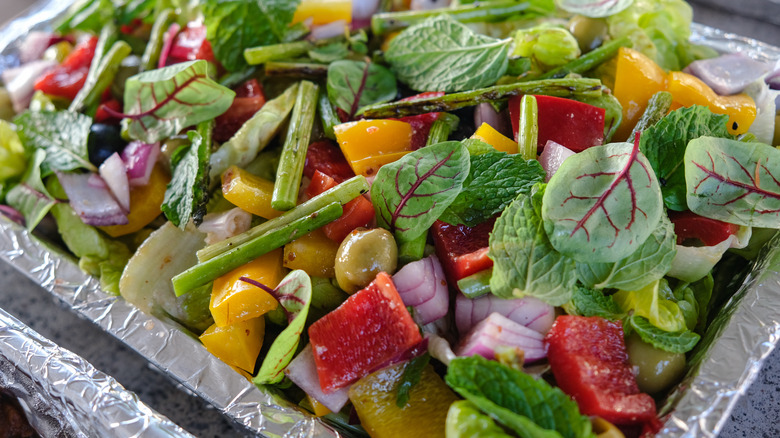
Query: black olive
[{"x": 103, "y": 141}]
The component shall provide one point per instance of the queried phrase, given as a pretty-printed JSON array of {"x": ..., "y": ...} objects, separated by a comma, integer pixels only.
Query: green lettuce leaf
[
  {"x": 465, "y": 420},
  {"x": 355, "y": 84},
  {"x": 411, "y": 193},
  {"x": 441, "y": 54},
  {"x": 650, "y": 262},
  {"x": 602, "y": 204},
  {"x": 524, "y": 261},
  {"x": 62, "y": 134},
  {"x": 13, "y": 157},
  {"x": 294, "y": 295},
  {"x": 654, "y": 302},
  {"x": 160, "y": 103},
  {"x": 733, "y": 181},
  {"x": 528, "y": 406},
  {"x": 30, "y": 196},
  {"x": 594, "y": 9},
  {"x": 681, "y": 341},
  {"x": 187, "y": 193},
  {"x": 87, "y": 16},
  {"x": 664, "y": 146},
  {"x": 494, "y": 181}
]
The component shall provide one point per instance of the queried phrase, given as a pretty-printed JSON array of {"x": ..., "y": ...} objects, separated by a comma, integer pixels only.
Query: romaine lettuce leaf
[{"x": 654, "y": 302}]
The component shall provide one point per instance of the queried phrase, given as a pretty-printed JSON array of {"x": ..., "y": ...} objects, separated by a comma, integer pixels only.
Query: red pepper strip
[
  {"x": 694, "y": 229},
  {"x": 461, "y": 249},
  {"x": 249, "y": 99},
  {"x": 68, "y": 78},
  {"x": 358, "y": 212}
]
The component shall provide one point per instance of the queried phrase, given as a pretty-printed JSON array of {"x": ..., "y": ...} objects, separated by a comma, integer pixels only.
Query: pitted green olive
[
  {"x": 362, "y": 255},
  {"x": 589, "y": 32},
  {"x": 658, "y": 369}
]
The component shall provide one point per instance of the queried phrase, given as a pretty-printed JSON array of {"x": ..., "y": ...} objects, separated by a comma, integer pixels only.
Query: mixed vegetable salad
[{"x": 414, "y": 218}]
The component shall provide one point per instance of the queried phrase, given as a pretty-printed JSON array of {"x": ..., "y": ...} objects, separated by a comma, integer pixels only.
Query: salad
[{"x": 507, "y": 218}]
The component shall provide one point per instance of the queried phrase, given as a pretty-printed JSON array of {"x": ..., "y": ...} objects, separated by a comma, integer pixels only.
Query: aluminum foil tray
[
  {"x": 699, "y": 406},
  {"x": 67, "y": 396}
]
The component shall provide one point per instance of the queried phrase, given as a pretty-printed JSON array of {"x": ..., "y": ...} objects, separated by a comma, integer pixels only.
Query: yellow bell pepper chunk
[
  {"x": 370, "y": 144},
  {"x": 249, "y": 192},
  {"x": 233, "y": 300},
  {"x": 145, "y": 203},
  {"x": 637, "y": 78},
  {"x": 318, "y": 408},
  {"x": 314, "y": 253},
  {"x": 323, "y": 11},
  {"x": 688, "y": 90},
  {"x": 424, "y": 415},
  {"x": 237, "y": 344},
  {"x": 489, "y": 135}
]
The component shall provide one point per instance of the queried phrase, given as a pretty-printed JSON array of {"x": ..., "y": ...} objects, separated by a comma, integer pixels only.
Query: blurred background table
[{"x": 754, "y": 415}]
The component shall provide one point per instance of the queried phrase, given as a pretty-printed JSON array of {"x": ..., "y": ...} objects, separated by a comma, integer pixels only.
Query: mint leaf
[
  {"x": 733, "y": 181},
  {"x": 294, "y": 295},
  {"x": 441, "y": 54},
  {"x": 602, "y": 203},
  {"x": 589, "y": 302},
  {"x": 651, "y": 261},
  {"x": 355, "y": 84},
  {"x": 524, "y": 261},
  {"x": 411, "y": 193},
  {"x": 187, "y": 193},
  {"x": 30, "y": 196},
  {"x": 499, "y": 390},
  {"x": 62, "y": 134},
  {"x": 411, "y": 377},
  {"x": 681, "y": 341},
  {"x": 235, "y": 25},
  {"x": 465, "y": 420},
  {"x": 495, "y": 180},
  {"x": 477, "y": 147},
  {"x": 160, "y": 103},
  {"x": 664, "y": 146}
]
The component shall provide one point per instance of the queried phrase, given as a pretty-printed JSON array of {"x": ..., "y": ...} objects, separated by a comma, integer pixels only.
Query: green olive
[
  {"x": 362, "y": 255},
  {"x": 658, "y": 369},
  {"x": 589, "y": 32},
  {"x": 6, "y": 106}
]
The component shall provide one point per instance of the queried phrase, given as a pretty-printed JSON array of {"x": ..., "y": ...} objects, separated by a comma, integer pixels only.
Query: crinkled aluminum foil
[
  {"x": 701, "y": 409},
  {"x": 67, "y": 396}
]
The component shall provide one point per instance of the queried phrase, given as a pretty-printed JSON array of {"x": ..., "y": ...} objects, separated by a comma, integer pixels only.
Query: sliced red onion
[
  {"x": 499, "y": 331},
  {"x": 220, "y": 226},
  {"x": 170, "y": 38},
  {"x": 93, "y": 204},
  {"x": 422, "y": 284},
  {"x": 528, "y": 311},
  {"x": 12, "y": 213},
  {"x": 362, "y": 10},
  {"x": 303, "y": 372},
  {"x": 330, "y": 30},
  {"x": 773, "y": 79},
  {"x": 114, "y": 174},
  {"x": 424, "y": 5},
  {"x": 728, "y": 74},
  {"x": 34, "y": 45},
  {"x": 20, "y": 82},
  {"x": 139, "y": 159},
  {"x": 553, "y": 156},
  {"x": 485, "y": 113}
]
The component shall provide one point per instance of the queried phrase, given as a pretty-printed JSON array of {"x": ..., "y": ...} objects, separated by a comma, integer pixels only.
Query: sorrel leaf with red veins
[
  {"x": 594, "y": 8},
  {"x": 355, "y": 84},
  {"x": 294, "y": 295},
  {"x": 602, "y": 204},
  {"x": 733, "y": 181},
  {"x": 411, "y": 193},
  {"x": 160, "y": 103}
]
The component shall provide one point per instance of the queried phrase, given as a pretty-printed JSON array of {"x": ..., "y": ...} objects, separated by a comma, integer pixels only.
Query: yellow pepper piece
[
  {"x": 314, "y": 253},
  {"x": 324, "y": 11},
  {"x": 318, "y": 408},
  {"x": 637, "y": 78},
  {"x": 249, "y": 192},
  {"x": 604, "y": 429},
  {"x": 145, "y": 202},
  {"x": 233, "y": 300},
  {"x": 494, "y": 138},
  {"x": 237, "y": 344},
  {"x": 688, "y": 90},
  {"x": 370, "y": 144},
  {"x": 424, "y": 415}
]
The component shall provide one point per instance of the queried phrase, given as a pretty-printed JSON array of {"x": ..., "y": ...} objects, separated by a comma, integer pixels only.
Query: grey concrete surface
[{"x": 754, "y": 415}]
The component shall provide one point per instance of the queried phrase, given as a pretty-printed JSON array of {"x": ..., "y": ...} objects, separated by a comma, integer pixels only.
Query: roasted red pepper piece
[
  {"x": 358, "y": 212},
  {"x": 695, "y": 229},
  {"x": 461, "y": 249},
  {"x": 68, "y": 78},
  {"x": 104, "y": 116},
  {"x": 588, "y": 358},
  {"x": 421, "y": 124},
  {"x": 249, "y": 99},
  {"x": 191, "y": 44},
  {"x": 328, "y": 159},
  {"x": 573, "y": 124},
  {"x": 361, "y": 335}
]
